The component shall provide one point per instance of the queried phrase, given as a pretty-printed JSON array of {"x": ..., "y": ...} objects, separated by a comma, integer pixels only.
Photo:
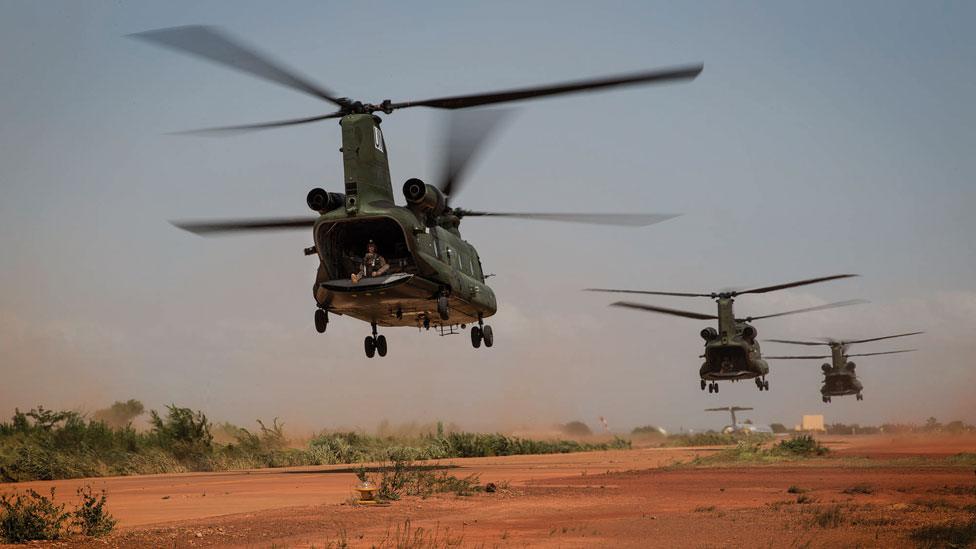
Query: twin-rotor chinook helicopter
[
  {"x": 839, "y": 376},
  {"x": 436, "y": 277},
  {"x": 732, "y": 351}
]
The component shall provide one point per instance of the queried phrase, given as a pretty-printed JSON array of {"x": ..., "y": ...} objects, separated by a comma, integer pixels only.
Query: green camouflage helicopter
[
  {"x": 732, "y": 352},
  {"x": 839, "y": 377},
  {"x": 435, "y": 278}
]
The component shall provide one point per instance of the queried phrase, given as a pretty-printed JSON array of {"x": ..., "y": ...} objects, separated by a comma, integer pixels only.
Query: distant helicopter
[
  {"x": 735, "y": 426},
  {"x": 435, "y": 277},
  {"x": 839, "y": 378},
  {"x": 732, "y": 352}
]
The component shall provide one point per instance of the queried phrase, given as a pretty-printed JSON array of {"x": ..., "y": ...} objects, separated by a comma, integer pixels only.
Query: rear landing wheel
[
  {"x": 370, "y": 346},
  {"x": 488, "y": 336},
  {"x": 765, "y": 385},
  {"x": 475, "y": 337},
  {"x": 321, "y": 320},
  {"x": 703, "y": 385},
  {"x": 381, "y": 345}
]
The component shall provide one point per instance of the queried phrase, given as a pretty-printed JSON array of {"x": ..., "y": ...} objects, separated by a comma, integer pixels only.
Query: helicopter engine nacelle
[
  {"x": 709, "y": 334},
  {"x": 322, "y": 201},
  {"x": 851, "y": 366},
  {"x": 749, "y": 332},
  {"x": 825, "y": 368},
  {"x": 423, "y": 197}
]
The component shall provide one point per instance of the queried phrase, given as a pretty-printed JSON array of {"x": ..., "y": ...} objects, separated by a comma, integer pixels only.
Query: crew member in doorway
[{"x": 373, "y": 264}]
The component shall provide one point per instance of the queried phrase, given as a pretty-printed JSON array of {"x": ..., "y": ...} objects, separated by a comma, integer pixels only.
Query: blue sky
[{"x": 820, "y": 138}]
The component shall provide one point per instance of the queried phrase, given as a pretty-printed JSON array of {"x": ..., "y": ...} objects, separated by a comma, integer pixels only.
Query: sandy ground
[{"x": 619, "y": 498}]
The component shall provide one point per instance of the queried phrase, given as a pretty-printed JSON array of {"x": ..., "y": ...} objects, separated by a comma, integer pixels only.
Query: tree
[{"x": 120, "y": 414}]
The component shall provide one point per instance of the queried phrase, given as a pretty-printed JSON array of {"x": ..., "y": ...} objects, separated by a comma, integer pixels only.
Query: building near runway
[{"x": 811, "y": 423}]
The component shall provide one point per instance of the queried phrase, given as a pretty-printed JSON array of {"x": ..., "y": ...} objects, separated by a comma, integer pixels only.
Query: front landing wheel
[
  {"x": 475, "y": 337},
  {"x": 488, "y": 336},
  {"x": 370, "y": 346},
  {"x": 321, "y": 320},
  {"x": 381, "y": 345}
]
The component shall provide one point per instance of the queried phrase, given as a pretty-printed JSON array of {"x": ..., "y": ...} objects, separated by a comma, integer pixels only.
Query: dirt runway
[{"x": 869, "y": 493}]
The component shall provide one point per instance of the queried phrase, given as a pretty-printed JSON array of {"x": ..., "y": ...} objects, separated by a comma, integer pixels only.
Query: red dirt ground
[{"x": 619, "y": 498}]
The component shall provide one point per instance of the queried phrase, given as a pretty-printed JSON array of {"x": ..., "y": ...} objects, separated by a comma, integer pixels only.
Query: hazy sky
[{"x": 820, "y": 138}]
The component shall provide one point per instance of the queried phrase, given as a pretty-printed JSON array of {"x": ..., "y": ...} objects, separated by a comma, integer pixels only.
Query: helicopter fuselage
[
  {"x": 732, "y": 352},
  {"x": 427, "y": 260},
  {"x": 839, "y": 377}
]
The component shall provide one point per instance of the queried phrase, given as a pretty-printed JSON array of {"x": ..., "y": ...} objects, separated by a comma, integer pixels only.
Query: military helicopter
[
  {"x": 731, "y": 352},
  {"x": 435, "y": 277},
  {"x": 839, "y": 377},
  {"x": 736, "y": 427}
]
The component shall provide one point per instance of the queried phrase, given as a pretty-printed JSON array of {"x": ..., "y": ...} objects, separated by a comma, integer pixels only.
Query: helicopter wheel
[
  {"x": 442, "y": 307},
  {"x": 475, "y": 337},
  {"x": 321, "y": 320},
  {"x": 703, "y": 385},
  {"x": 370, "y": 346},
  {"x": 381, "y": 345},
  {"x": 860, "y": 396},
  {"x": 765, "y": 385},
  {"x": 488, "y": 335},
  {"x": 426, "y": 323}
]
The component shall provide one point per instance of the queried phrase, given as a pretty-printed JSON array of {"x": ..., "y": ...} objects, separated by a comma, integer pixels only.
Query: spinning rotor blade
[
  {"x": 851, "y": 342},
  {"x": 464, "y": 135},
  {"x": 806, "y": 310},
  {"x": 884, "y": 352},
  {"x": 623, "y": 220},
  {"x": 791, "y": 342},
  {"x": 244, "y": 225},
  {"x": 663, "y": 310},
  {"x": 227, "y": 130},
  {"x": 800, "y": 357},
  {"x": 727, "y": 409},
  {"x": 212, "y": 44},
  {"x": 677, "y": 294},
  {"x": 502, "y": 96},
  {"x": 793, "y": 284}
]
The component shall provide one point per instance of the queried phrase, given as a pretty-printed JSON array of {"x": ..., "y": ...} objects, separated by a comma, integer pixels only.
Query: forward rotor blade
[
  {"x": 465, "y": 134},
  {"x": 646, "y": 292},
  {"x": 809, "y": 309},
  {"x": 851, "y": 342},
  {"x": 728, "y": 409},
  {"x": 228, "y": 130},
  {"x": 624, "y": 220},
  {"x": 663, "y": 310},
  {"x": 800, "y": 357},
  {"x": 212, "y": 44},
  {"x": 791, "y": 342},
  {"x": 885, "y": 352},
  {"x": 503, "y": 96},
  {"x": 794, "y": 284},
  {"x": 244, "y": 225}
]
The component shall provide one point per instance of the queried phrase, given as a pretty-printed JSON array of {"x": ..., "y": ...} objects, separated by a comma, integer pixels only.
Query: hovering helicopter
[
  {"x": 731, "y": 352},
  {"x": 736, "y": 427},
  {"x": 435, "y": 277},
  {"x": 839, "y": 378}
]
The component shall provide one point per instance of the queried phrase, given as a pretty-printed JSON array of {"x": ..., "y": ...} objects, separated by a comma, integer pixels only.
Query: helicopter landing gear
[
  {"x": 826, "y": 399},
  {"x": 375, "y": 344},
  {"x": 442, "y": 307},
  {"x": 860, "y": 396},
  {"x": 321, "y": 320},
  {"x": 426, "y": 322},
  {"x": 703, "y": 385},
  {"x": 712, "y": 387},
  {"x": 762, "y": 384},
  {"x": 482, "y": 333}
]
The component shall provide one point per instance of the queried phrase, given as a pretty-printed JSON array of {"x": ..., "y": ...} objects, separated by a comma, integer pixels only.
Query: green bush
[
  {"x": 90, "y": 517},
  {"x": 31, "y": 516},
  {"x": 800, "y": 445}
]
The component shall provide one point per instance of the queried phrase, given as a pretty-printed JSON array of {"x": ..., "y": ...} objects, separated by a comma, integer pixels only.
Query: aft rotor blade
[
  {"x": 885, "y": 352},
  {"x": 624, "y": 220},
  {"x": 503, "y": 96},
  {"x": 791, "y": 342},
  {"x": 809, "y": 309},
  {"x": 800, "y": 357},
  {"x": 228, "y": 130},
  {"x": 646, "y": 292},
  {"x": 245, "y": 225},
  {"x": 851, "y": 342},
  {"x": 793, "y": 284},
  {"x": 464, "y": 137},
  {"x": 663, "y": 310},
  {"x": 212, "y": 44}
]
